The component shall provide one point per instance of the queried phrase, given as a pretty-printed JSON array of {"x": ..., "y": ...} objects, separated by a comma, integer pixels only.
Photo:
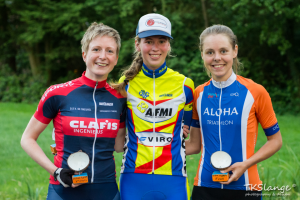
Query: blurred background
[
  {"x": 40, "y": 46},
  {"x": 40, "y": 41}
]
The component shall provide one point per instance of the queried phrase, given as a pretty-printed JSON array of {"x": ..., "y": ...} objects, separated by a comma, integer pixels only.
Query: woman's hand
[
  {"x": 186, "y": 131},
  {"x": 273, "y": 145},
  {"x": 238, "y": 169}
]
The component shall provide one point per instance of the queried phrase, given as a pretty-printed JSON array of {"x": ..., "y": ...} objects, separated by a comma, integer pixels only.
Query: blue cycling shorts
[
  {"x": 103, "y": 191},
  {"x": 135, "y": 186}
]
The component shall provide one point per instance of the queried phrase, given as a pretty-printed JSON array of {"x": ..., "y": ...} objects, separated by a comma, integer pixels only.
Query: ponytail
[{"x": 131, "y": 72}]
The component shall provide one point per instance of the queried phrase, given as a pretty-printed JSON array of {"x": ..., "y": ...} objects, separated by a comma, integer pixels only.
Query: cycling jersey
[
  {"x": 228, "y": 114},
  {"x": 157, "y": 101},
  {"x": 86, "y": 116}
]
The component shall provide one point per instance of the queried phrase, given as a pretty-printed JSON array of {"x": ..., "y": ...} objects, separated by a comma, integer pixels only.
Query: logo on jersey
[
  {"x": 276, "y": 127},
  {"x": 218, "y": 112},
  {"x": 159, "y": 112},
  {"x": 105, "y": 104},
  {"x": 164, "y": 68},
  {"x": 144, "y": 94},
  {"x": 92, "y": 126},
  {"x": 166, "y": 95},
  {"x": 212, "y": 95},
  {"x": 142, "y": 106},
  {"x": 67, "y": 84},
  {"x": 234, "y": 94},
  {"x": 160, "y": 139}
]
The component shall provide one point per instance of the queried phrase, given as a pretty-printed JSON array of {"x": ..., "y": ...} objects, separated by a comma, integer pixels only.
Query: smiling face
[
  {"x": 154, "y": 50},
  {"x": 100, "y": 58},
  {"x": 218, "y": 54}
]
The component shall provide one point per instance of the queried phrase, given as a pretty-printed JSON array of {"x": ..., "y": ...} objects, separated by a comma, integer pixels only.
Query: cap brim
[{"x": 152, "y": 33}]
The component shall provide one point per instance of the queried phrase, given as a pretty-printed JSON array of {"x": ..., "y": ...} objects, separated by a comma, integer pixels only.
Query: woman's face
[
  {"x": 154, "y": 50},
  {"x": 218, "y": 56},
  {"x": 101, "y": 57}
]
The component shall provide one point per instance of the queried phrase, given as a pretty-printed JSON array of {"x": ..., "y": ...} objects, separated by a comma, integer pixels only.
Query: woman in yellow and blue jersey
[{"x": 158, "y": 99}]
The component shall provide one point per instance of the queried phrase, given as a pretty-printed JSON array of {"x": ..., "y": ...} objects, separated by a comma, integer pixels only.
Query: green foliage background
[{"x": 40, "y": 41}]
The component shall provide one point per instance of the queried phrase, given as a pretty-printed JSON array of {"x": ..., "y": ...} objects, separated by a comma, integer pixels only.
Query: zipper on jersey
[
  {"x": 220, "y": 109},
  {"x": 154, "y": 134},
  {"x": 220, "y": 117},
  {"x": 96, "y": 131}
]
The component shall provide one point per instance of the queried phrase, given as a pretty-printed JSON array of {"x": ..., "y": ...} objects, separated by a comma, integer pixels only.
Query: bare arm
[
  {"x": 273, "y": 145},
  {"x": 193, "y": 144},
  {"x": 120, "y": 140},
  {"x": 31, "y": 147}
]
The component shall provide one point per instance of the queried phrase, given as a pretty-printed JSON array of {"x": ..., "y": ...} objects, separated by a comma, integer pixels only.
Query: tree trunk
[
  {"x": 34, "y": 59},
  {"x": 48, "y": 50},
  {"x": 204, "y": 13}
]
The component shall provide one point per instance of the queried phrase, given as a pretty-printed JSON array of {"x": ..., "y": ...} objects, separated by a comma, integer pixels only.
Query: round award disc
[
  {"x": 220, "y": 160},
  {"x": 78, "y": 161}
]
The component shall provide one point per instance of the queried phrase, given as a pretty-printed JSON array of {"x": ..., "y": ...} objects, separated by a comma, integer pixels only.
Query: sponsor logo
[
  {"x": 108, "y": 111},
  {"x": 156, "y": 23},
  {"x": 275, "y": 127},
  {"x": 150, "y": 22},
  {"x": 55, "y": 87},
  {"x": 161, "y": 139},
  {"x": 159, "y": 112},
  {"x": 145, "y": 69},
  {"x": 93, "y": 125},
  {"x": 82, "y": 109},
  {"x": 144, "y": 94},
  {"x": 105, "y": 104},
  {"x": 142, "y": 106},
  {"x": 218, "y": 112},
  {"x": 234, "y": 94},
  {"x": 212, "y": 95},
  {"x": 226, "y": 122},
  {"x": 162, "y": 69},
  {"x": 166, "y": 95}
]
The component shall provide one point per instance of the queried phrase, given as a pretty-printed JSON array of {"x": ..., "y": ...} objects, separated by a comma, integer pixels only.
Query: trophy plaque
[
  {"x": 220, "y": 160},
  {"x": 79, "y": 162}
]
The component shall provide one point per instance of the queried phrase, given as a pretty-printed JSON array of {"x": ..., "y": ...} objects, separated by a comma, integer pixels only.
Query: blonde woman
[{"x": 88, "y": 115}]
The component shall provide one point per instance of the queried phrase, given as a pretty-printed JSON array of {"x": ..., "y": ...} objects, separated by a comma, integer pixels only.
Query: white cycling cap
[{"x": 153, "y": 24}]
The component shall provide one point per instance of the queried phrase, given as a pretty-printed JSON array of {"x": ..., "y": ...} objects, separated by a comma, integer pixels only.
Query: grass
[{"x": 22, "y": 178}]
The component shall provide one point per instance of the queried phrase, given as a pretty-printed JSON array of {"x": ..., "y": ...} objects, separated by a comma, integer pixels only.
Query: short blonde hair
[{"x": 100, "y": 29}]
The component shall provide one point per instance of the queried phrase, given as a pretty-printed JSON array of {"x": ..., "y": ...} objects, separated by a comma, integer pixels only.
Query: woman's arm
[
  {"x": 31, "y": 147},
  {"x": 120, "y": 140},
  {"x": 273, "y": 144},
  {"x": 193, "y": 144}
]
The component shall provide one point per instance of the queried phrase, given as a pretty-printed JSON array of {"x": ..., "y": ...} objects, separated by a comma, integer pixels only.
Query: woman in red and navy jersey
[
  {"x": 226, "y": 113},
  {"x": 88, "y": 115}
]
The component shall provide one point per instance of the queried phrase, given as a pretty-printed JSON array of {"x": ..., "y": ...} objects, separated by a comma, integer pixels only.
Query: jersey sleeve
[
  {"x": 265, "y": 112},
  {"x": 188, "y": 108},
  {"x": 48, "y": 106},
  {"x": 123, "y": 114},
  {"x": 195, "y": 116}
]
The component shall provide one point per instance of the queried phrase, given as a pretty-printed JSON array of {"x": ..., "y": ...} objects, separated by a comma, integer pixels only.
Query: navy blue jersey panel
[{"x": 52, "y": 106}]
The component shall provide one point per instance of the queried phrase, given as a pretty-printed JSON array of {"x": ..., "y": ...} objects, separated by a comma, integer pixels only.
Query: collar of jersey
[
  {"x": 223, "y": 84},
  {"x": 158, "y": 72},
  {"x": 91, "y": 83}
]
